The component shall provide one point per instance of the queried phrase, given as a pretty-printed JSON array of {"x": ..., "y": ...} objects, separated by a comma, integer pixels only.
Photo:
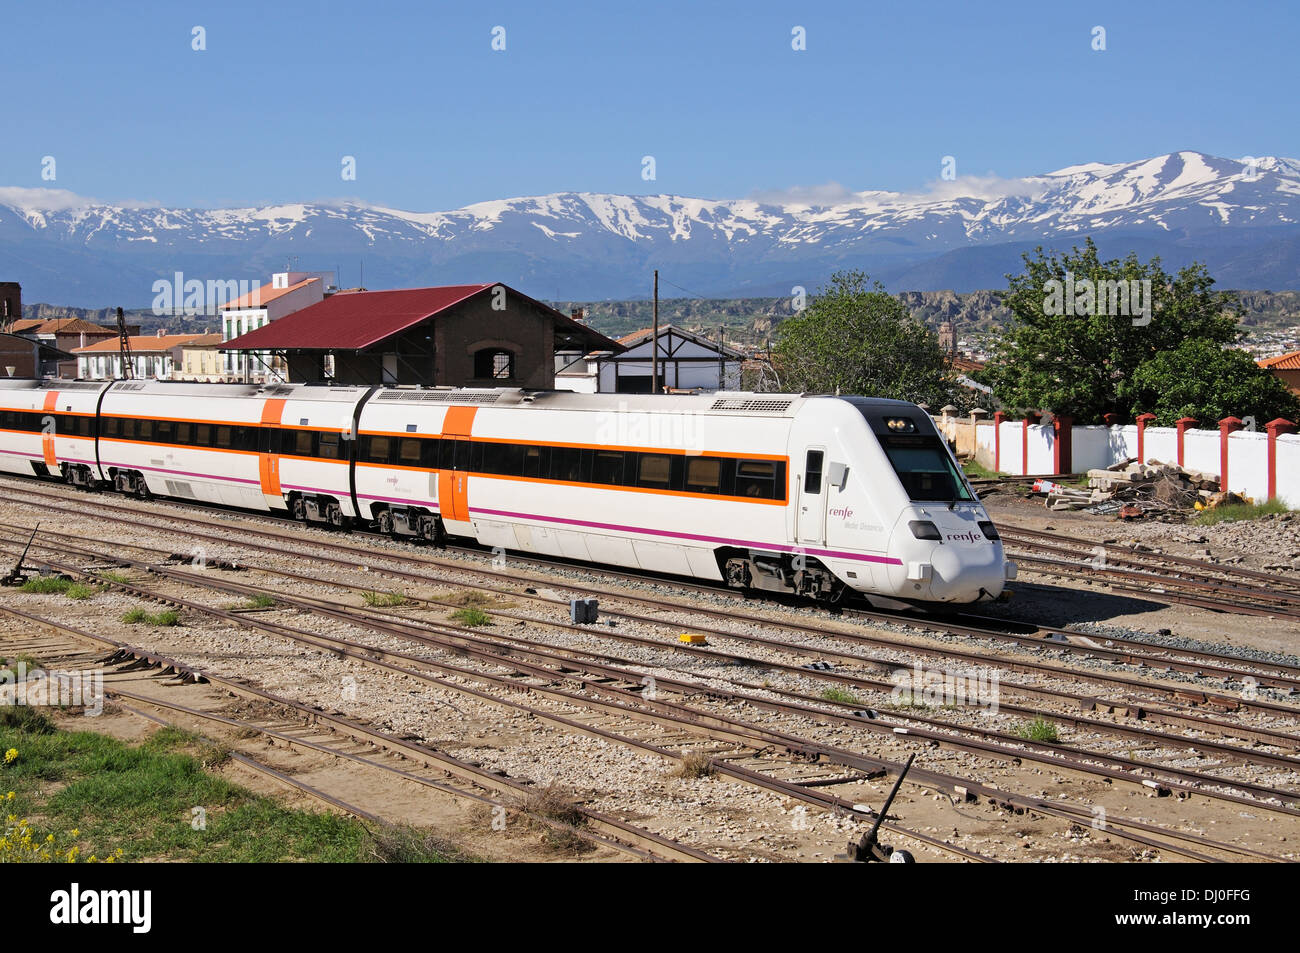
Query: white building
[
  {"x": 687, "y": 362},
  {"x": 156, "y": 356},
  {"x": 288, "y": 292}
]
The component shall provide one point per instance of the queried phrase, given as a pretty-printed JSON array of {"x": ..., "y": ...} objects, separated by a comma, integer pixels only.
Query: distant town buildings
[{"x": 157, "y": 356}]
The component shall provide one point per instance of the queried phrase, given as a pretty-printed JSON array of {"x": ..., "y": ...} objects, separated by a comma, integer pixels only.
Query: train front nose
[{"x": 948, "y": 556}]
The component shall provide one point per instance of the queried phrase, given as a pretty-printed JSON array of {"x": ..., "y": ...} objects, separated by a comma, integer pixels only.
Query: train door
[
  {"x": 453, "y": 498},
  {"x": 810, "y": 508}
]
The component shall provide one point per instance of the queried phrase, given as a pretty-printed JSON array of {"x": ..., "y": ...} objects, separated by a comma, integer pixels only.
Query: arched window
[{"x": 494, "y": 364}]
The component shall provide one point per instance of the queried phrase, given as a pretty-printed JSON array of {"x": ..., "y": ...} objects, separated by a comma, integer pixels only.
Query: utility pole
[{"x": 654, "y": 342}]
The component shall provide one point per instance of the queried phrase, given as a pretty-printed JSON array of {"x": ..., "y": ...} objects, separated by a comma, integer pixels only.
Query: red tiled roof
[
  {"x": 69, "y": 326},
  {"x": 26, "y": 324},
  {"x": 263, "y": 295},
  {"x": 149, "y": 343},
  {"x": 352, "y": 320},
  {"x": 1282, "y": 362}
]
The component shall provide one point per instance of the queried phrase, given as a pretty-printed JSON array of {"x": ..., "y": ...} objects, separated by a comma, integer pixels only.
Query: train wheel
[
  {"x": 299, "y": 509},
  {"x": 385, "y": 523}
]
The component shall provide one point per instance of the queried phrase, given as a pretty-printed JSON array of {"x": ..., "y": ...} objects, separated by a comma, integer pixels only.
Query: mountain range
[{"x": 1241, "y": 217}]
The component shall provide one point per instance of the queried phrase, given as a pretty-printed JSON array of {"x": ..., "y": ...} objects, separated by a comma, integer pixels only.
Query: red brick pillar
[
  {"x": 1227, "y": 427},
  {"x": 1030, "y": 420},
  {"x": 1182, "y": 423},
  {"x": 998, "y": 417},
  {"x": 1063, "y": 446},
  {"x": 1276, "y": 428},
  {"x": 1142, "y": 421}
]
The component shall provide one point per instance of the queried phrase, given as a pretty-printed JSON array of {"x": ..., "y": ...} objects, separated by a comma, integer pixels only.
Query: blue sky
[{"x": 436, "y": 119}]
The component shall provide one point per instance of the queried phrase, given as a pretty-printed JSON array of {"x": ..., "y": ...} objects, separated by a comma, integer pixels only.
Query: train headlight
[
  {"x": 900, "y": 425},
  {"x": 924, "y": 529},
  {"x": 990, "y": 531}
]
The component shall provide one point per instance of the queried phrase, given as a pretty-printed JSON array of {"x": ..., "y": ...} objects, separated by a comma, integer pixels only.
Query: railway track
[
  {"x": 830, "y": 753},
  {"x": 300, "y": 726},
  {"x": 1280, "y": 761},
  {"x": 1161, "y": 577},
  {"x": 1133, "y": 652}
]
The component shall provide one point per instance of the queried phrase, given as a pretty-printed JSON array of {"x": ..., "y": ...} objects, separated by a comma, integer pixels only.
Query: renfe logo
[
  {"x": 842, "y": 512},
  {"x": 103, "y": 906},
  {"x": 969, "y": 536}
]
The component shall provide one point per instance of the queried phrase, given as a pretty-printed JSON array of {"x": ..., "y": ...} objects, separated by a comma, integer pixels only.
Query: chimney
[
  {"x": 577, "y": 314},
  {"x": 162, "y": 332}
]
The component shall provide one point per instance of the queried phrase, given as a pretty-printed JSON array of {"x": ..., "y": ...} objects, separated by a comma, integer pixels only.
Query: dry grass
[
  {"x": 695, "y": 764},
  {"x": 555, "y": 803}
]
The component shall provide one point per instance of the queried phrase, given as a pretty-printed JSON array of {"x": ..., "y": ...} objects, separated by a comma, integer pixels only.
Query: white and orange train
[{"x": 801, "y": 494}]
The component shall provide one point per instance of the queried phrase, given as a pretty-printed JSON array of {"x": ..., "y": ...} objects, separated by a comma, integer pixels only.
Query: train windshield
[{"x": 925, "y": 469}]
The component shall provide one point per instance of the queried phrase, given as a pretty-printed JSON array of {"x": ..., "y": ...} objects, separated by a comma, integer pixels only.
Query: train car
[
  {"x": 189, "y": 441},
  {"x": 49, "y": 428},
  {"x": 281, "y": 447},
  {"x": 807, "y": 495}
]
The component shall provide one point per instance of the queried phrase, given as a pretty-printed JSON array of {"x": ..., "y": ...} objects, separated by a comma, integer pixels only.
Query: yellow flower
[
  {"x": 75, "y": 832},
  {"x": 11, "y": 756}
]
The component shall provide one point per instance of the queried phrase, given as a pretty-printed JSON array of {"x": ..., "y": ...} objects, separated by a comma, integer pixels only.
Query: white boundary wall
[{"x": 1096, "y": 447}]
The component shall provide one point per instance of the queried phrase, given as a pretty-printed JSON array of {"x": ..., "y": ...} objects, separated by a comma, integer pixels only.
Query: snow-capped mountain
[{"x": 1241, "y": 217}]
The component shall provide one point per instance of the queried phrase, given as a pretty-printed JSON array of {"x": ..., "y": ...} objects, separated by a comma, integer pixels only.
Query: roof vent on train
[
  {"x": 72, "y": 385},
  {"x": 752, "y": 405},
  {"x": 441, "y": 396},
  {"x": 130, "y": 385},
  {"x": 280, "y": 390}
]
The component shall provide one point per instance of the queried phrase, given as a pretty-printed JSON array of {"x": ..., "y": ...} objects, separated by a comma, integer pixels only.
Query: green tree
[
  {"x": 859, "y": 339},
  {"x": 1079, "y": 356},
  {"x": 1206, "y": 381}
]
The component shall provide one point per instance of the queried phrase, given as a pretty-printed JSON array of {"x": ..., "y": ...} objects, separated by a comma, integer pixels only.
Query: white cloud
[
  {"x": 59, "y": 200},
  {"x": 831, "y": 193},
  {"x": 986, "y": 188}
]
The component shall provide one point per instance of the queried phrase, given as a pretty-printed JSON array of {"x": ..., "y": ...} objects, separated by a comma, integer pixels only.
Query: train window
[
  {"x": 409, "y": 452},
  {"x": 607, "y": 467},
  {"x": 756, "y": 478},
  {"x": 925, "y": 469},
  {"x": 223, "y": 437},
  {"x": 703, "y": 475},
  {"x": 536, "y": 462},
  {"x": 429, "y": 454},
  {"x": 567, "y": 465},
  {"x": 144, "y": 429},
  {"x": 163, "y": 431},
  {"x": 328, "y": 448},
  {"x": 379, "y": 449},
  {"x": 503, "y": 458},
  {"x": 655, "y": 471},
  {"x": 185, "y": 433},
  {"x": 302, "y": 443},
  {"x": 812, "y": 472},
  {"x": 202, "y": 435}
]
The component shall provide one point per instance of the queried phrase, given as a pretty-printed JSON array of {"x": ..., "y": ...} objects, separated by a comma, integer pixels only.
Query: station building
[{"x": 485, "y": 335}]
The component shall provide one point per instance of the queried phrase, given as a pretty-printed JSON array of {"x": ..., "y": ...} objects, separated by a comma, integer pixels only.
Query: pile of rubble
[{"x": 1131, "y": 490}]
